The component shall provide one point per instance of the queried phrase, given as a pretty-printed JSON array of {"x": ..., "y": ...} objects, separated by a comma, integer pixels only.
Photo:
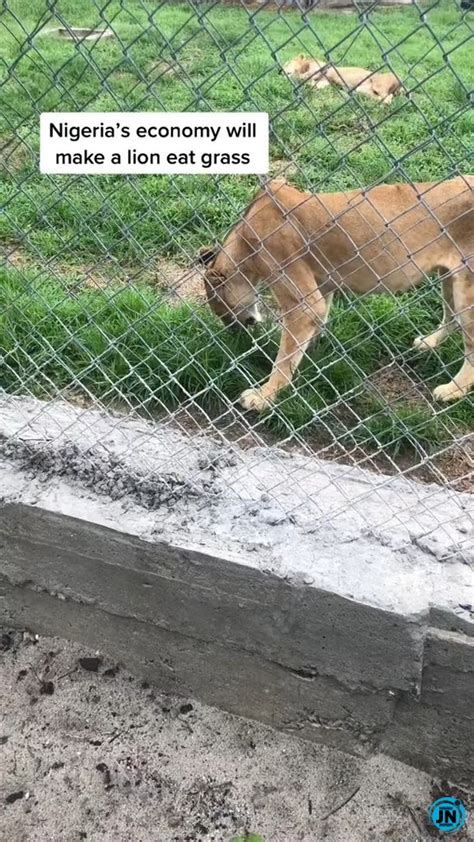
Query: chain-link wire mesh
[{"x": 102, "y": 301}]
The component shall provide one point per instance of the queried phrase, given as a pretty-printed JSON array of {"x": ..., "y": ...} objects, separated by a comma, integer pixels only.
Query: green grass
[
  {"x": 122, "y": 343},
  {"x": 248, "y": 837},
  {"x": 332, "y": 141}
]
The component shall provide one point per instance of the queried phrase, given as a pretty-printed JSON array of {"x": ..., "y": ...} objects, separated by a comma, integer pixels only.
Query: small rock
[
  {"x": 296, "y": 577},
  {"x": 6, "y": 641},
  {"x": 186, "y": 708},
  {"x": 111, "y": 672},
  {"x": 275, "y": 517},
  {"x": 47, "y": 688},
  {"x": 14, "y": 796},
  {"x": 105, "y": 771},
  {"x": 90, "y": 664}
]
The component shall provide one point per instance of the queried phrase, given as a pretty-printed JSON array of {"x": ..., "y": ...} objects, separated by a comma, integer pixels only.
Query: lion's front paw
[
  {"x": 422, "y": 343},
  {"x": 449, "y": 392},
  {"x": 254, "y": 399}
]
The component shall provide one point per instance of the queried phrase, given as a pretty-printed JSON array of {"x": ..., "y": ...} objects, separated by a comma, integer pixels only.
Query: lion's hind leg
[
  {"x": 448, "y": 324},
  {"x": 463, "y": 306}
]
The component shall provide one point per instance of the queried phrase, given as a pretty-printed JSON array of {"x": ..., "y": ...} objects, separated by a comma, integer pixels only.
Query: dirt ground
[
  {"x": 89, "y": 752},
  {"x": 178, "y": 282}
]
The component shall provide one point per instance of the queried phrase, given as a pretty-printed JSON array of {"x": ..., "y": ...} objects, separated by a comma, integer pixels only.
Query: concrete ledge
[
  {"x": 212, "y": 599},
  {"x": 326, "y": 622}
]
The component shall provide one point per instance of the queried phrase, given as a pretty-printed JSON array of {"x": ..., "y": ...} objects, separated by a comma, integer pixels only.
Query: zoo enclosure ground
[{"x": 101, "y": 755}]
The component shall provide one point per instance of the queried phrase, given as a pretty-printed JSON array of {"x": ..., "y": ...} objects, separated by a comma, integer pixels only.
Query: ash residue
[
  {"x": 208, "y": 811},
  {"x": 106, "y": 474}
]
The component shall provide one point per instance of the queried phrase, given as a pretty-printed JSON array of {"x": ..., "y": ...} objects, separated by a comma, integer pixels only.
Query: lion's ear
[
  {"x": 206, "y": 255},
  {"x": 214, "y": 281}
]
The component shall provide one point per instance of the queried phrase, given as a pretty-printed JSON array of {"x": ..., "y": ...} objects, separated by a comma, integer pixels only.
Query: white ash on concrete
[
  {"x": 340, "y": 600},
  {"x": 391, "y": 541}
]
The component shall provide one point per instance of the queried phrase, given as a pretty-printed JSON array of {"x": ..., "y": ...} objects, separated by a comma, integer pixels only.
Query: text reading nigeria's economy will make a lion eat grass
[{"x": 87, "y": 143}]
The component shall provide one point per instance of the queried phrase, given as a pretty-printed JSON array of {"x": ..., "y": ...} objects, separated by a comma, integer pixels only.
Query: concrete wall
[{"x": 335, "y": 626}]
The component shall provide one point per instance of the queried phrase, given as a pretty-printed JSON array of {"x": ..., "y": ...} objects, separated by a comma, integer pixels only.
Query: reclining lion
[{"x": 380, "y": 86}]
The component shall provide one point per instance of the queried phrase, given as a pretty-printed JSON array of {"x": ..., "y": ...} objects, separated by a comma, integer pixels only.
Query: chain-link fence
[{"x": 102, "y": 299}]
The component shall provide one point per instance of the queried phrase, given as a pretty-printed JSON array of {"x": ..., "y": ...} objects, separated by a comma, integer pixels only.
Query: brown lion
[{"x": 303, "y": 247}]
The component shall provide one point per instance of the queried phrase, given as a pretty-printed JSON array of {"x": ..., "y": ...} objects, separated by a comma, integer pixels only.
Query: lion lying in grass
[{"x": 379, "y": 86}]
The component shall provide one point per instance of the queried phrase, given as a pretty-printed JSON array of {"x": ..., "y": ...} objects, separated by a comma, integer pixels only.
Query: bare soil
[
  {"x": 181, "y": 282},
  {"x": 13, "y": 155},
  {"x": 88, "y": 751}
]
